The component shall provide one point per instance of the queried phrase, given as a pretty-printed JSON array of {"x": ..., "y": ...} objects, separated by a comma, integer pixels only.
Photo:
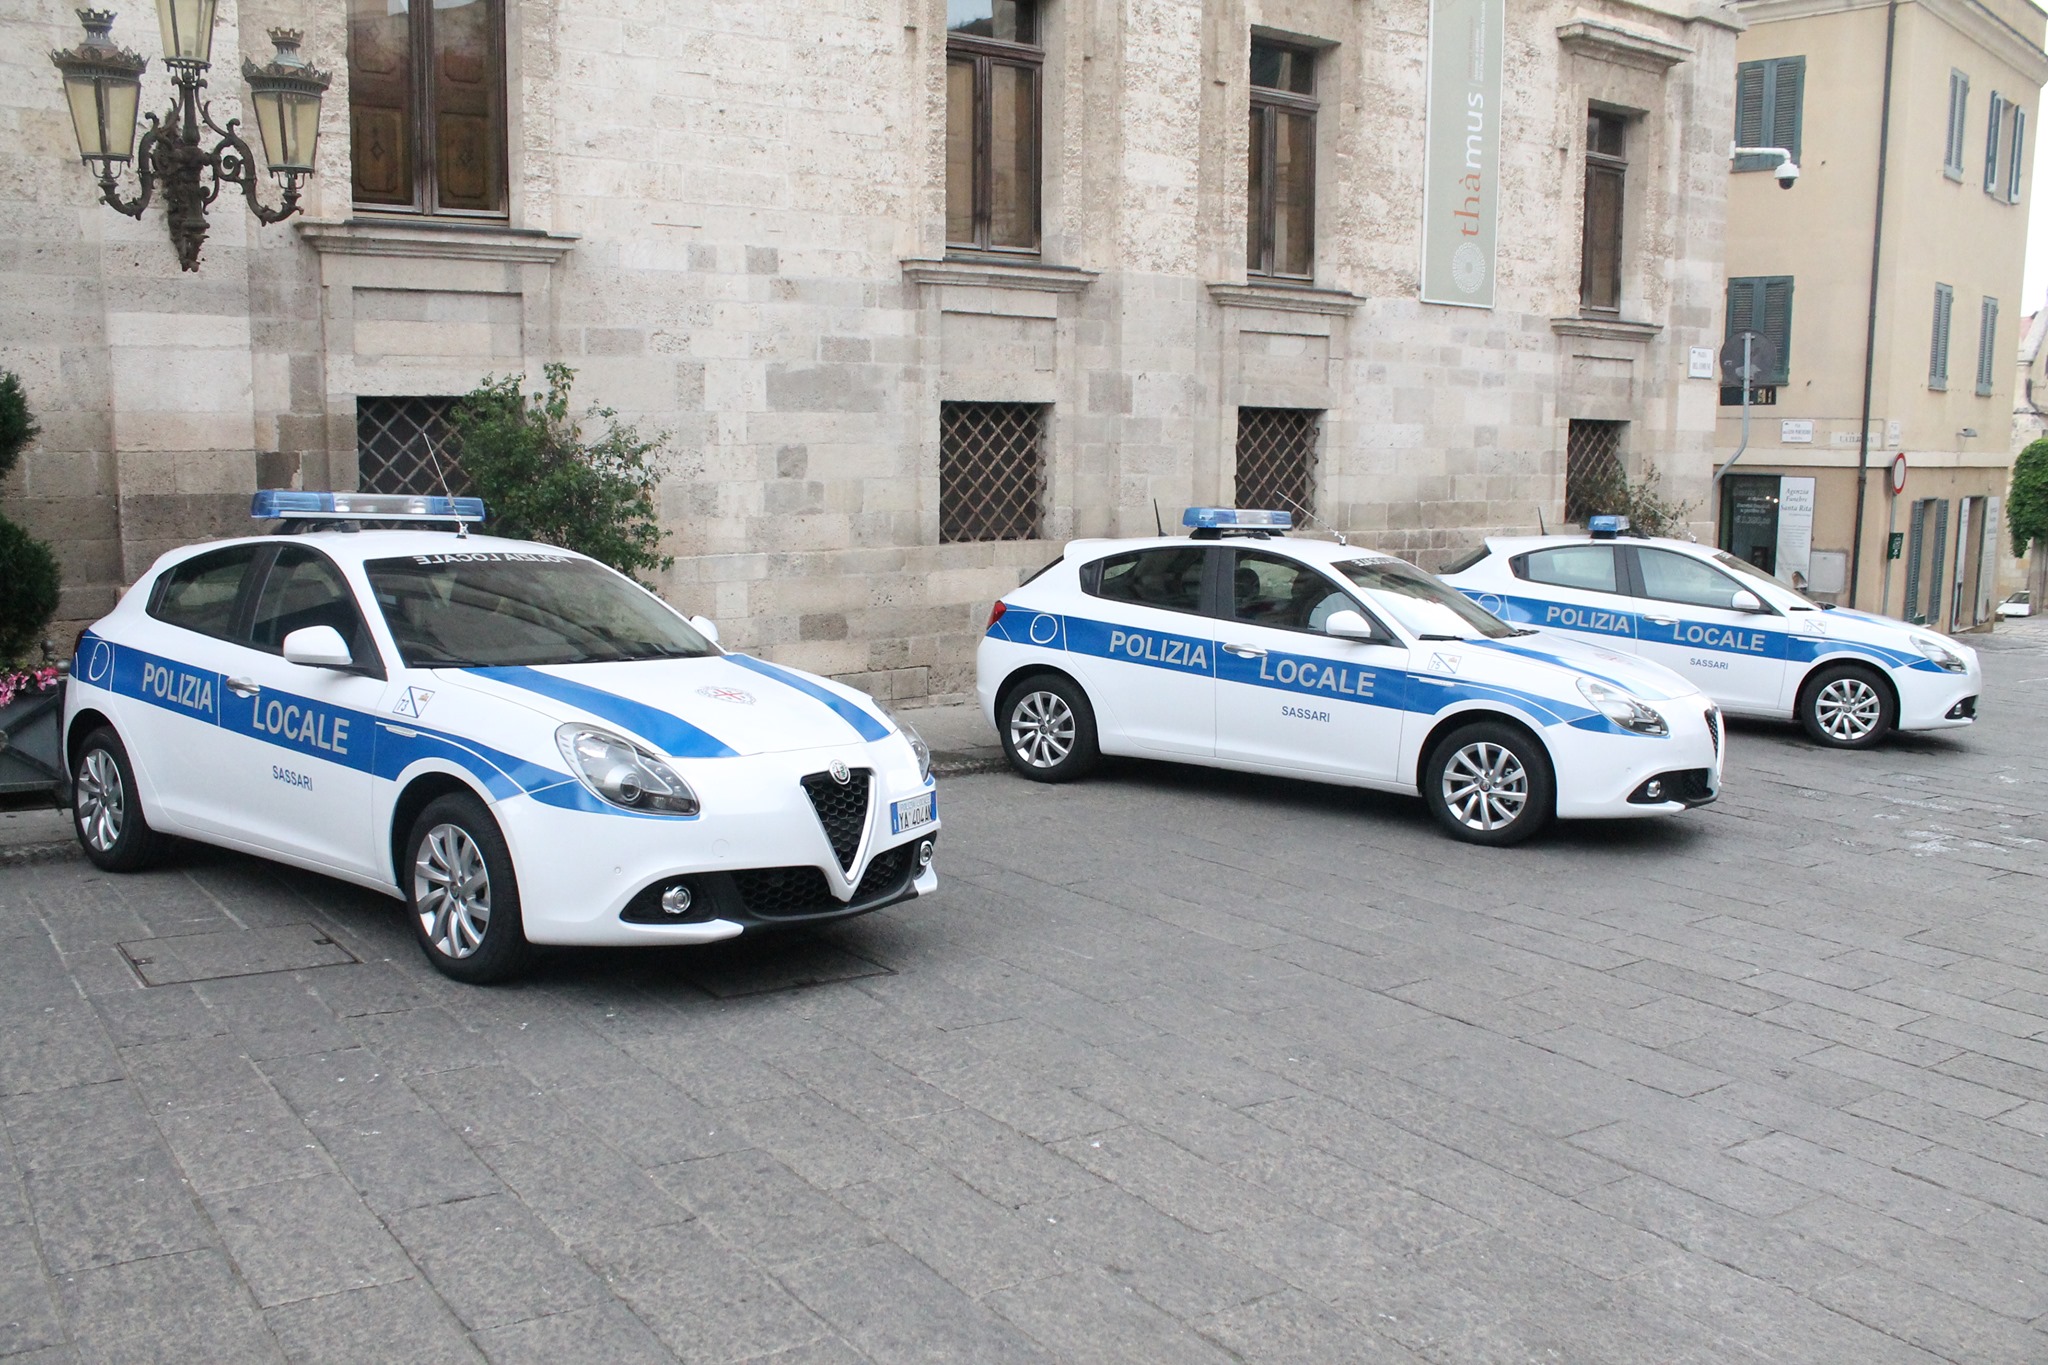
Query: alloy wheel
[
  {"x": 452, "y": 891},
  {"x": 1042, "y": 729},
  {"x": 1486, "y": 786},
  {"x": 102, "y": 801},
  {"x": 1848, "y": 709}
]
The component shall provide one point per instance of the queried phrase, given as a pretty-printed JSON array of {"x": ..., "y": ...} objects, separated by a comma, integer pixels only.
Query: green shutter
[
  {"x": 1937, "y": 350},
  {"x": 1991, "y": 131},
  {"x": 1987, "y": 347},
  {"x": 1788, "y": 103},
  {"x": 2014, "y": 174},
  {"x": 1769, "y": 109},
  {"x": 1741, "y": 308},
  {"x": 1958, "y": 124},
  {"x": 1775, "y": 315}
]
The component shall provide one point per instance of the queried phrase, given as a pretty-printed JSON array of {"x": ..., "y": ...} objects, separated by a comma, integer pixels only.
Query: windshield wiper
[
  {"x": 1523, "y": 630},
  {"x": 1442, "y": 637}
]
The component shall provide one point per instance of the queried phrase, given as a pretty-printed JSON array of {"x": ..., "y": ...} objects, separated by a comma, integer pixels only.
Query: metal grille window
[
  {"x": 405, "y": 445},
  {"x": 1595, "y": 473},
  {"x": 1600, "y": 242},
  {"x": 991, "y": 471},
  {"x": 1280, "y": 221},
  {"x": 1276, "y": 458}
]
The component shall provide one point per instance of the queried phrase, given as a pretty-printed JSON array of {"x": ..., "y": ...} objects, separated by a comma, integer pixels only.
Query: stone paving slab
[{"x": 1180, "y": 1066}]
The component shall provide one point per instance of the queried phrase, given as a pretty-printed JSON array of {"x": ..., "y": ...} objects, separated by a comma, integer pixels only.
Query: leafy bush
[
  {"x": 2026, "y": 507},
  {"x": 28, "y": 571},
  {"x": 541, "y": 481},
  {"x": 1642, "y": 500}
]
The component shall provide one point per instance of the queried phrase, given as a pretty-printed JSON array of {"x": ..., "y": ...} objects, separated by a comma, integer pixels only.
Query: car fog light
[
  {"x": 676, "y": 900},
  {"x": 1654, "y": 790},
  {"x": 924, "y": 854}
]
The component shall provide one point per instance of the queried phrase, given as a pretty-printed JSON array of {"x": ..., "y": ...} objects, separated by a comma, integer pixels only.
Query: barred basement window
[
  {"x": 1595, "y": 474},
  {"x": 404, "y": 445},
  {"x": 1276, "y": 457},
  {"x": 991, "y": 471}
]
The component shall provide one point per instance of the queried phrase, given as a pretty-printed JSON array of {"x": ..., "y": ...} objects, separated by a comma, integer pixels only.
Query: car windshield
[
  {"x": 1743, "y": 566},
  {"x": 1426, "y": 607},
  {"x": 500, "y": 608}
]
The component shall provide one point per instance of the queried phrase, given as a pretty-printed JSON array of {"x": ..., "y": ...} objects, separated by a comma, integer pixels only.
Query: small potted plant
[{"x": 31, "y": 695}]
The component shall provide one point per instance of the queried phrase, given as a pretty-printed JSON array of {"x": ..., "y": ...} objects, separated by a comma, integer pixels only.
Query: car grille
[
  {"x": 842, "y": 809},
  {"x": 886, "y": 872},
  {"x": 1693, "y": 786},
  {"x": 782, "y": 892},
  {"x": 1714, "y": 726}
]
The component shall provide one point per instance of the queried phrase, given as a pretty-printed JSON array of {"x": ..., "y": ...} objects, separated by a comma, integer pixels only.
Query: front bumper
[
  {"x": 759, "y": 854},
  {"x": 1603, "y": 775},
  {"x": 1935, "y": 699}
]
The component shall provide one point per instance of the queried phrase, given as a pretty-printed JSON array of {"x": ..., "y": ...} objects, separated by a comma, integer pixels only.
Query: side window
[
  {"x": 1672, "y": 577},
  {"x": 1589, "y": 568},
  {"x": 201, "y": 593},
  {"x": 305, "y": 589},
  {"x": 1169, "y": 579},
  {"x": 1266, "y": 590}
]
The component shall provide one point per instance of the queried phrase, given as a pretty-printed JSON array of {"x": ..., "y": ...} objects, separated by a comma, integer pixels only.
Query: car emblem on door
[{"x": 840, "y": 772}]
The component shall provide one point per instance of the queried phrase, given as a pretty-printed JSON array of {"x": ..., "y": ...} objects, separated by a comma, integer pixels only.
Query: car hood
[
  {"x": 1862, "y": 627},
  {"x": 1650, "y": 681},
  {"x": 720, "y": 707}
]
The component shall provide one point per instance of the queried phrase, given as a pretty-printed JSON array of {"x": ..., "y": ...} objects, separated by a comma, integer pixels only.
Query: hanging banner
[
  {"x": 1461, "y": 155},
  {"x": 1795, "y": 529}
]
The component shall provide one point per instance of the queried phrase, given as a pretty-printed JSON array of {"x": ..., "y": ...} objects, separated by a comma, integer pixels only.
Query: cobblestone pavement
[{"x": 1180, "y": 1067}]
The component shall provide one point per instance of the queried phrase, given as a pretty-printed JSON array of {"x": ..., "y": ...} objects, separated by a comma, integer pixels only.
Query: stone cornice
[
  {"x": 1606, "y": 41},
  {"x": 1970, "y": 18},
  {"x": 1044, "y": 279},
  {"x": 1606, "y": 329},
  {"x": 1287, "y": 298},
  {"x": 435, "y": 241}
]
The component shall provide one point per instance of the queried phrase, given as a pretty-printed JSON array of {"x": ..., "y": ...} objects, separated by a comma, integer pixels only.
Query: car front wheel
[
  {"x": 106, "y": 808},
  {"x": 462, "y": 892},
  {"x": 1048, "y": 729},
  {"x": 1489, "y": 783},
  {"x": 1846, "y": 707}
]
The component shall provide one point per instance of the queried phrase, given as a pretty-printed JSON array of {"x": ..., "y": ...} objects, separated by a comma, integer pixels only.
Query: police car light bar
[
  {"x": 1606, "y": 528},
  {"x": 274, "y": 504},
  {"x": 1235, "y": 519}
]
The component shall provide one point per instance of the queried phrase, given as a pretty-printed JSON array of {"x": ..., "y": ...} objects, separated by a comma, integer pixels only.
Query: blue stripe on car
[
  {"x": 672, "y": 735},
  {"x": 864, "y": 724}
]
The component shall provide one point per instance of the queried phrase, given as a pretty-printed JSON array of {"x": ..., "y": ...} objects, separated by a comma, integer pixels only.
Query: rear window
[
  {"x": 201, "y": 594},
  {"x": 1169, "y": 578},
  {"x": 1589, "y": 568}
]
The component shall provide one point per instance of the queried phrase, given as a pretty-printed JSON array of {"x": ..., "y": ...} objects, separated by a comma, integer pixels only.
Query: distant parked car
[{"x": 2016, "y": 605}]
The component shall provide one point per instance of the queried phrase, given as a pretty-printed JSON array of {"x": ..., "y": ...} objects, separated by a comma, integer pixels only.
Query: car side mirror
[
  {"x": 706, "y": 627},
  {"x": 318, "y": 647},
  {"x": 1349, "y": 625},
  {"x": 1745, "y": 600}
]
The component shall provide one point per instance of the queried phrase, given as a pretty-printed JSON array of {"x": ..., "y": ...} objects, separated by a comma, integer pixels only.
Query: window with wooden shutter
[
  {"x": 1937, "y": 348},
  {"x": 1987, "y": 346},
  {"x": 1993, "y": 121},
  {"x": 2014, "y": 164},
  {"x": 1763, "y": 304},
  {"x": 1958, "y": 122},
  {"x": 427, "y": 122},
  {"x": 1769, "y": 109}
]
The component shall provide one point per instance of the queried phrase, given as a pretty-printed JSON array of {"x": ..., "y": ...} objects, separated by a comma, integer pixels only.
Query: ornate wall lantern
[{"x": 103, "y": 88}]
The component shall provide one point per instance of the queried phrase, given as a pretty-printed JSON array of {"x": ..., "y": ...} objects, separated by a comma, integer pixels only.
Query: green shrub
[
  {"x": 1642, "y": 500},
  {"x": 28, "y": 571},
  {"x": 2026, "y": 507},
  {"x": 540, "y": 481}
]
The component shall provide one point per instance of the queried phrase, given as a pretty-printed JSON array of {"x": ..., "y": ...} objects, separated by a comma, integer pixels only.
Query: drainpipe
[{"x": 1884, "y": 138}]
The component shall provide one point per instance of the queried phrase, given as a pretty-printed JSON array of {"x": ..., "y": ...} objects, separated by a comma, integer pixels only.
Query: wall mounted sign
[
  {"x": 1795, "y": 527},
  {"x": 1795, "y": 431},
  {"x": 1461, "y": 154}
]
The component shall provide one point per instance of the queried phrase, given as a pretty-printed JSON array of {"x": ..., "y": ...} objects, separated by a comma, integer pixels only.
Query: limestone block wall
[{"x": 728, "y": 219}]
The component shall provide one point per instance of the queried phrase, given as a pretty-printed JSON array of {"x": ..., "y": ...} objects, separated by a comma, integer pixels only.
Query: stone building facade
[{"x": 732, "y": 221}]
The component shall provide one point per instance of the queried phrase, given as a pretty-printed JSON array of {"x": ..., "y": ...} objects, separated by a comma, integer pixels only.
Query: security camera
[{"x": 1787, "y": 173}]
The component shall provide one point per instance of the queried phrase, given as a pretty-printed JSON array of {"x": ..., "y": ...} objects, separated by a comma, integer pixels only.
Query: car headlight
[
  {"x": 1937, "y": 649},
  {"x": 1624, "y": 710},
  {"x": 917, "y": 744},
  {"x": 621, "y": 773}
]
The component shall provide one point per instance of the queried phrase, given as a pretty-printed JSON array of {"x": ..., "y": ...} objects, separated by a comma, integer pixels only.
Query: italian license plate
[{"x": 915, "y": 813}]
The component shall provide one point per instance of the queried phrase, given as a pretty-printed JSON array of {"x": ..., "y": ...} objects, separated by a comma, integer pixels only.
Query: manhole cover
[{"x": 233, "y": 952}]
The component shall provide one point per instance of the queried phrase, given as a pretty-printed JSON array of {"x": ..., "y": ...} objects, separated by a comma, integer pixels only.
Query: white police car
[
  {"x": 1239, "y": 648},
  {"x": 521, "y": 743},
  {"x": 1756, "y": 645}
]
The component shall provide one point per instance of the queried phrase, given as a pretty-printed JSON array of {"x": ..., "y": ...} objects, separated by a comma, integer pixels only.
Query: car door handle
[
  {"x": 1662, "y": 620},
  {"x": 1245, "y": 651},
  {"x": 244, "y": 687}
]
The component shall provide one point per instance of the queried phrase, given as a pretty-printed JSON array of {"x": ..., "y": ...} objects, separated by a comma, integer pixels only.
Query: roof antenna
[
  {"x": 1156, "y": 519},
  {"x": 1311, "y": 520},
  {"x": 1540, "y": 527}
]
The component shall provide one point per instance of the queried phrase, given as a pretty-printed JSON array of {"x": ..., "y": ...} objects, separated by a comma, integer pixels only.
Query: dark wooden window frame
[
  {"x": 1266, "y": 102},
  {"x": 420, "y": 125},
  {"x": 985, "y": 54},
  {"x": 1613, "y": 166}
]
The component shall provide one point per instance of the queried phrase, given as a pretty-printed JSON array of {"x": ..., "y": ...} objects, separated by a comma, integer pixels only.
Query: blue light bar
[
  {"x": 286, "y": 504},
  {"x": 1606, "y": 528},
  {"x": 1234, "y": 519}
]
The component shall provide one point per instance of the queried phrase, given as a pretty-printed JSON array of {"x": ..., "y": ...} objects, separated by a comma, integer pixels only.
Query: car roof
[
  {"x": 353, "y": 547},
  {"x": 1515, "y": 545},
  {"x": 1313, "y": 549}
]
